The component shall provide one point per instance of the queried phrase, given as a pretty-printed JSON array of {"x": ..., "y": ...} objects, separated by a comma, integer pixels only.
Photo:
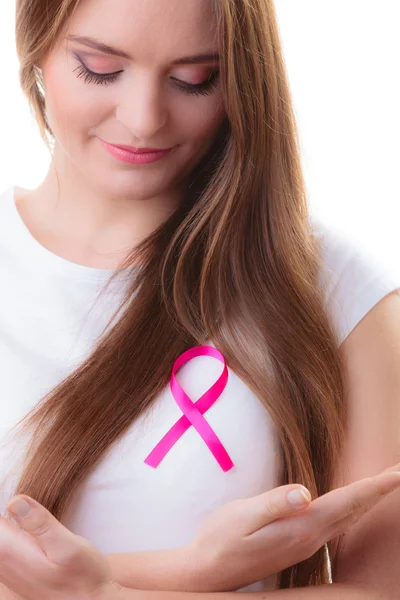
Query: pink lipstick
[{"x": 135, "y": 156}]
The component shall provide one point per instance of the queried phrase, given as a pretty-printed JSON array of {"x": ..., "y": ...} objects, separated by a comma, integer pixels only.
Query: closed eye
[
  {"x": 206, "y": 87},
  {"x": 89, "y": 76}
]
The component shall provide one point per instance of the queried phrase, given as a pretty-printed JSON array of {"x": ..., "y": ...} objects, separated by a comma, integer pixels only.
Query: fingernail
[
  {"x": 299, "y": 497},
  {"x": 391, "y": 472},
  {"x": 20, "y": 508},
  {"x": 395, "y": 469}
]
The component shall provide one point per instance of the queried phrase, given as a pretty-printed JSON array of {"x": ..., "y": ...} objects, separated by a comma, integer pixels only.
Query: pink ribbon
[{"x": 193, "y": 412}]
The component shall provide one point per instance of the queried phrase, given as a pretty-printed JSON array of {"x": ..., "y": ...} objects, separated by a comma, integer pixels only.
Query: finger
[
  {"x": 388, "y": 486},
  {"x": 276, "y": 504},
  {"x": 56, "y": 541},
  {"x": 395, "y": 468},
  {"x": 23, "y": 563},
  {"x": 350, "y": 503}
]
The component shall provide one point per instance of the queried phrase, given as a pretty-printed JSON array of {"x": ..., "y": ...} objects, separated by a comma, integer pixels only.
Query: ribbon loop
[{"x": 193, "y": 412}]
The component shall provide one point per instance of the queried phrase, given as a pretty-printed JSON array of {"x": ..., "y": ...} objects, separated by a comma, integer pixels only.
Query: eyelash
[{"x": 200, "y": 89}]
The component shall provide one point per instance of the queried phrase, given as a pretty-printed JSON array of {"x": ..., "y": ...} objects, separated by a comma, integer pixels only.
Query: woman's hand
[
  {"x": 45, "y": 561},
  {"x": 247, "y": 540},
  {"x": 240, "y": 543}
]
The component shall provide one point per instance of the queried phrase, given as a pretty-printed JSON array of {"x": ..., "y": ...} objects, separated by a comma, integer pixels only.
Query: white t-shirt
[{"x": 46, "y": 329}]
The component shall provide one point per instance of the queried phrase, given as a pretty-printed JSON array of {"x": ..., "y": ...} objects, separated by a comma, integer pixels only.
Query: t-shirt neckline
[{"x": 36, "y": 253}]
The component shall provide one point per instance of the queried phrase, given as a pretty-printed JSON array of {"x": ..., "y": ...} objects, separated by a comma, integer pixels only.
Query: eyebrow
[{"x": 97, "y": 45}]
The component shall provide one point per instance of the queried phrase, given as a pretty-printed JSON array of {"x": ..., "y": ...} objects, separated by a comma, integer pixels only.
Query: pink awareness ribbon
[{"x": 193, "y": 412}]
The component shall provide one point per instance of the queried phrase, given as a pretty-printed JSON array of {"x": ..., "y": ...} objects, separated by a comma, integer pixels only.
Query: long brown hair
[{"x": 237, "y": 263}]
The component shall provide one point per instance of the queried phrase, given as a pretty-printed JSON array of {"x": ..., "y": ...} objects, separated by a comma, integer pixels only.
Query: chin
[{"x": 131, "y": 187}]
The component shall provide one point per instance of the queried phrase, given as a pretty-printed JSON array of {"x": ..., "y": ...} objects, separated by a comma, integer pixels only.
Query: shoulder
[{"x": 353, "y": 278}]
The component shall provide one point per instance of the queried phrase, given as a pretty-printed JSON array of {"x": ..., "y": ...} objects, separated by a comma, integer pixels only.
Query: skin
[
  {"x": 238, "y": 543},
  {"x": 103, "y": 208},
  {"x": 106, "y": 206}
]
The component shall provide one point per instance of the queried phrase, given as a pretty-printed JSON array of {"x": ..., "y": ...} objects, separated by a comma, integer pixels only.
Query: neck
[{"x": 85, "y": 225}]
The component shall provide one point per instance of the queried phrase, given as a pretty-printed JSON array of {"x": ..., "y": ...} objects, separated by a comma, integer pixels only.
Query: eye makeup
[
  {"x": 204, "y": 88},
  {"x": 89, "y": 76}
]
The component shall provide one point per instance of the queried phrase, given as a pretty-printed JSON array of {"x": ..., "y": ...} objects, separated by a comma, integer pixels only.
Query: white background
[{"x": 343, "y": 61}]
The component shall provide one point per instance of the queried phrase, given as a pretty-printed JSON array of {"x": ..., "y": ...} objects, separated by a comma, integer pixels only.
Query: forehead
[{"x": 161, "y": 28}]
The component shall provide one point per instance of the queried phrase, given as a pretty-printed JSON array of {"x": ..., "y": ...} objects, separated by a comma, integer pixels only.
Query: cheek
[
  {"x": 69, "y": 107},
  {"x": 202, "y": 118}
]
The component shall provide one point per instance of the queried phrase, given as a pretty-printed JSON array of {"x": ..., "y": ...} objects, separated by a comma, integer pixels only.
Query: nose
[{"x": 143, "y": 109}]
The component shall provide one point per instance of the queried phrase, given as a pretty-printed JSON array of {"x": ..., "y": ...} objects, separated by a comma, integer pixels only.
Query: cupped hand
[
  {"x": 43, "y": 560},
  {"x": 247, "y": 540}
]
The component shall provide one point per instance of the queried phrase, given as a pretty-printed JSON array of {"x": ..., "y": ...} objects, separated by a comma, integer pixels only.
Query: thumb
[
  {"x": 55, "y": 540},
  {"x": 281, "y": 502}
]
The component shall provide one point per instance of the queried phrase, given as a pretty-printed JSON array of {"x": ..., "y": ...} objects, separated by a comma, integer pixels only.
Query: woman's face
[{"x": 147, "y": 93}]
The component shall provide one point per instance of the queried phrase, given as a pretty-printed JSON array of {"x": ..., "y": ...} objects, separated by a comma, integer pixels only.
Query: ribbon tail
[{"x": 167, "y": 442}]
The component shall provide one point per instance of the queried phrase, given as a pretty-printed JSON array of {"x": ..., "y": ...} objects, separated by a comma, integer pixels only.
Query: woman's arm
[
  {"x": 369, "y": 553},
  {"x": 325, "y": 592},
  {"x": 168, "y": 570}
]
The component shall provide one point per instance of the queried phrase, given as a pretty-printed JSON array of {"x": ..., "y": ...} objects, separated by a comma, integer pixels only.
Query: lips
[
  {"x": 139, "y": 150},
  {"x": 134, "y": 156}
]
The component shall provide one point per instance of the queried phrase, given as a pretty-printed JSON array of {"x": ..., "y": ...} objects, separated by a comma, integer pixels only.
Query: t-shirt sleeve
[{"x": 353, "y": 279}]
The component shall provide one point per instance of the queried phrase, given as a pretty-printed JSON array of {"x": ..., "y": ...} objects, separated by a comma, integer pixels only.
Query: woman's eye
[
  {"x": 89, "y": 76},
  {"x": 204, "y": 88}
]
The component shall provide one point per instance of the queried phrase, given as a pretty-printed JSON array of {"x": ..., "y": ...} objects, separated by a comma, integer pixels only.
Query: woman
[{"x": 207, "y": 241}]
